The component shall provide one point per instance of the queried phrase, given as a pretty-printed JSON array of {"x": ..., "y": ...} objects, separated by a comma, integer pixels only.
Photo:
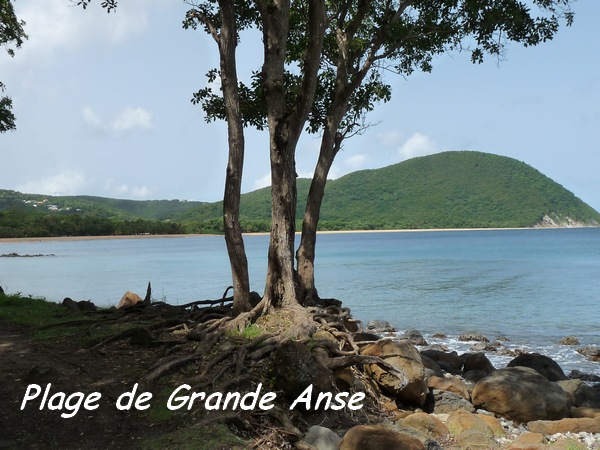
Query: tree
[
  {"x": 323, "y": 69},
  {"x": 360, "y": 41},
  {"x": 11, "y": 33}
]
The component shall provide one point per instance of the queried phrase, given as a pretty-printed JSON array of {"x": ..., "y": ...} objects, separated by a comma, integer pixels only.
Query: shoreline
[{"x": 160, "y": 236}]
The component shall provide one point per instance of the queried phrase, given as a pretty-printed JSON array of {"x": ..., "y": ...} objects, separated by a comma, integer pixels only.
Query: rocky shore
[
  {"x": 461, "y": 401},
  {"x": 381, "y": 389}
]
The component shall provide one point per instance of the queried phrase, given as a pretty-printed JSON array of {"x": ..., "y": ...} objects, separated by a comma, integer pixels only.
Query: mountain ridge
[{"x": 455, "y": 189}]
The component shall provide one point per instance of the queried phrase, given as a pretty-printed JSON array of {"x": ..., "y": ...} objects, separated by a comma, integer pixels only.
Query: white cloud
[
  {"x": 390, "y": 138},
  {"x": 417, "y": 145},
  {"x": 262, "y": 182},
  {"x": 123, "y": 190},
  {"x": 356, "y": 162},
  {"x": 128, "y": 120},
  {"x": 57, "y": 25},
  {"x": 64, "y": 183}
]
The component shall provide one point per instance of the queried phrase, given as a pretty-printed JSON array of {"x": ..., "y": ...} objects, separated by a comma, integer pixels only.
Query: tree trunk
[
  {"x": 285, "y": 126},
  {"x": 281, "y": 287},
  {"x": 305, "y": 256},
  {"x": 227, "y": 41}
]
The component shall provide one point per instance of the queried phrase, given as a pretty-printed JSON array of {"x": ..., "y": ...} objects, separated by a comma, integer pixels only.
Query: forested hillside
[{"x": 462, "y": 189}]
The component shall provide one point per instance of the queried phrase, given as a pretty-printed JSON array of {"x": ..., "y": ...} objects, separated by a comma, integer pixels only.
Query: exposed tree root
[
  {"x": 244, "y": 359},
  {"x": 169, "y": 366}
]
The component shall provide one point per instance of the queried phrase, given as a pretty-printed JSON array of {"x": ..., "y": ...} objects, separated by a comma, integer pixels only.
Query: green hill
[
  {"x": 98, "y": 206},
  {"x": 462, "y": 189}
]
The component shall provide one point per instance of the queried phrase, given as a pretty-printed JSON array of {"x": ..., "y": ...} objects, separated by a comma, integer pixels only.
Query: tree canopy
[
  {"x": 324, "y": 66},
  {"x": 12, "y": 35}
]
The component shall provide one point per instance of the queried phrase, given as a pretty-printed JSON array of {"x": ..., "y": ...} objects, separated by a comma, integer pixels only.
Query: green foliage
[
  {"x": 30, "y": 311},
  {"x": 462, "y": 189},
  {"x": 448, "y": 190},
  {"x": 11, "y": 33},
  {"x": 364, "y": 40},
  {"x": 24, "y": 215}
]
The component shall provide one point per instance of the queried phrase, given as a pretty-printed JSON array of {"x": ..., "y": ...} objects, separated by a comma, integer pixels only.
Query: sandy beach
[{"x": 156, "y": 236}]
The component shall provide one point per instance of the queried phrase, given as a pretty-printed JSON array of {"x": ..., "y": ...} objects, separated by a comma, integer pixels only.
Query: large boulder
[
  {"x": 376, "y": 437},
  {"x": 380, "y": 326},
  {"x": 541, "y": 364},
  {"x": 407, "y": 359},
  {"x": 521, "y": 394},
  {"x": 549, "y": 427},
  {"x": 415, "y": 337},
  {"x": 448, "y": 361},
  {"x": 444, "y": 402},
  {"x": 428, "y": 424},
  {"x": 583, "y": 394},
  {"x": 476, "y": 361},
  {"x": 451, "y": 384},
  {"x": 322, "y": 438},
  {"x": 129, "y": 299},
  {"x": 473, "y": 336}
]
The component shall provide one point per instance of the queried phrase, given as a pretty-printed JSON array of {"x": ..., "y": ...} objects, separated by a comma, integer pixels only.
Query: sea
[{"x": 527, "y": 287}]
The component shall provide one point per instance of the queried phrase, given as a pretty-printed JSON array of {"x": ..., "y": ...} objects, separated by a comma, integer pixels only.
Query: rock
[
  {"x": 78, "y": 307},
  {"x": 485, "y": 347},
  {"x": 294, "y": 368},
  {"x": 569, "y": 340},
  {"x": 365, "y": 337},
  {"x": 475, "y": 375},
  {"x": 428, "y": 424},
  {"x": 440, "y": 336},
  {"x": 460, "y": 420},
  {"x": 376, "y": 437},
  {"x": 579, "y": 412},
  {"x": 583, "y": 394},
  {"x": 445, "y": 402},
  {"x": 590, "y": 352},
  {"x": 129, "y": 299},
  {"x": 431, "y": 367},
  {"x": 380, "y": 326},
  {"x": 584, "y": 376},
  {"x": 473, "y": 336},
  {"x": 450, "y": 384},
  {"x": 521, "y": 394},
  {"x": 541, "y": 364},
  {"x": 423, "y": 437},
  {"x": 528, "y": 439},
  {"x": 406, "y": 358},
  {"x": 448, "y": 361},
  {"x": 549, "y": 427},
  {"x": 494, "y": 424},
  {"x": 474, "y": 440},
  {"x": 322, "y": 438},
  {"x": 414, "y": 337},
  {"x": 476, "y": 361}
]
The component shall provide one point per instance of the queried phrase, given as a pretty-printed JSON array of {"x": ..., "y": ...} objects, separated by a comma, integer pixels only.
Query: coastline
[{"x": 160, "y": 236}]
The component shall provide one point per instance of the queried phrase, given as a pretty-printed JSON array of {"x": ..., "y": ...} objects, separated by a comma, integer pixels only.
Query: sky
[{"x": 103, "y": 107}]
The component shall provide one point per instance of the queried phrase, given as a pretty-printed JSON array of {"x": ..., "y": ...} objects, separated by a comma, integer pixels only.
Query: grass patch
[
  {"x": 208, "y": 437},
  {"x": 28, "y": 311},
  {"x": 249, "y": 332}
]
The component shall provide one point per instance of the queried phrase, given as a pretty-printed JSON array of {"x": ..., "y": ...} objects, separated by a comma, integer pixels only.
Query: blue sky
[{"x": 103, "y": 107}]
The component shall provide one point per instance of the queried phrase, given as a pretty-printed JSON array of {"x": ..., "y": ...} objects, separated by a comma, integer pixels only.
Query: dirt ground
[{"x": 70, "y": 368}]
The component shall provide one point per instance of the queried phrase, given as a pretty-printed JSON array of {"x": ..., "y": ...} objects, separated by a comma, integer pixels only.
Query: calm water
[{"x": 531, "y": 286}]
